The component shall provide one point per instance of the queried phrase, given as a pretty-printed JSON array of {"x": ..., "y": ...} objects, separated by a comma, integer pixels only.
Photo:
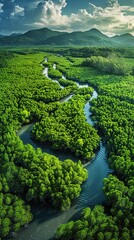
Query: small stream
[
  {"x": 45, "y": 72},
  {"x": 47, "y": 219}
]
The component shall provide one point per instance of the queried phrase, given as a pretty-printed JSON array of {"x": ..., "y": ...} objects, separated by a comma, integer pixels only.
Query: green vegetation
[
  {"x": 66, "y": 128},
  {"x": 86, "y": 52},
  {"x": 113, "y": 112},
  {"x": 108, "y": 65},
  {"x": 65, "y": 82},
  {"x": 28, "y": 175},
  {"x": 47, "y": 37},
  {"x": 93, "y": 224},
  {"x": 13, "y": 214},
  {"x": 4, "y": 56}
]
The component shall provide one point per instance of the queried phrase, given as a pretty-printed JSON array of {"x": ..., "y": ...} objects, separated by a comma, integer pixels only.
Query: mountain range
[{"x": 48, "y": 37}]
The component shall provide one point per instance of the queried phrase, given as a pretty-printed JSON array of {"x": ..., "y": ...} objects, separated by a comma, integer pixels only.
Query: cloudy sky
[{"x": 109, "y": 16}]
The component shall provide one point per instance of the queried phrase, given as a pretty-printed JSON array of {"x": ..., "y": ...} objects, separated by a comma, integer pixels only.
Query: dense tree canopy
[
  {"x": 93, "y": 224},
  {"x": 67, "y": 129},
  {"x": 26, "y": 174},
  {"x": 113, "y": 113},
  {"x": 111, "y": 65}
]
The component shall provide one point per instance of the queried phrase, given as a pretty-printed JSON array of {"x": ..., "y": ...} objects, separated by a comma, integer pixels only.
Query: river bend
[{"x": 47, "y": 219}]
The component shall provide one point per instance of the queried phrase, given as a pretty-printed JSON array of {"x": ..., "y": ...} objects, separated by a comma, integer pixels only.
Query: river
[{"x": 47, "y": 219}]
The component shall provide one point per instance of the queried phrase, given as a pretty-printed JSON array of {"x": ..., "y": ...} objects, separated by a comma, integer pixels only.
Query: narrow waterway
[
  {"x": 45, "y": 72},
  {"x": 46, "y": 219}
]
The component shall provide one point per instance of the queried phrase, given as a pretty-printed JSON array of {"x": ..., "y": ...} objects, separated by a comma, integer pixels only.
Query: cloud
[
  {"x": 118, "y": 19},
  {"x": 7, "y": 8},
  {"x": 18, "y": 11},
  {"x": 111, "y": 19},
  {"x": 1, "y": 5},
  {"x": 10, "y": 16},
  {"x": 18, "y": 15},
  {"x": 48, "y": 14},
  {"x": 113, "y": 3}
]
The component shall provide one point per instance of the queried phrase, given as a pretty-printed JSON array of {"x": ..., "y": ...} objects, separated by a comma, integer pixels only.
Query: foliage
[
  {"x": 13, "y": 214},
  {"x": 67, "y": 129},
  {"x": 25, "y": 173},
  {"x": 93, "y": 224},
  {"x": 113, "y": 113},
  {"x": 107, "y": 65},
  {"x": 4, "y": 57}
]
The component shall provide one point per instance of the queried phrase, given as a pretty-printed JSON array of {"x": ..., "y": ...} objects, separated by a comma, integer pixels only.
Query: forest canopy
[
  {"x": 28, "y": 175},
  {"x": 111, "y": 65}
]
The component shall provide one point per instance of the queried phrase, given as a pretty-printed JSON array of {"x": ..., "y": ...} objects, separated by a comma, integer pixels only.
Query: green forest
[{"x": 28, "y": 175}]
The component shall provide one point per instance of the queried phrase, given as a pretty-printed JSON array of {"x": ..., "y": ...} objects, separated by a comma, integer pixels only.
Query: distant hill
[
  {"x": 46, "y": 36},
  {"x": 32, "y": 37},
  {"x": 124, "y": 39},
  {"x": 91, "y": 37},
  {"x": 41, "y": 34},
  {"x": 15, "y": 34}
]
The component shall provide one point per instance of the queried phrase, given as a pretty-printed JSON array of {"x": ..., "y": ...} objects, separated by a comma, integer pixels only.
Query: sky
[{"x": 109, "y": 16}]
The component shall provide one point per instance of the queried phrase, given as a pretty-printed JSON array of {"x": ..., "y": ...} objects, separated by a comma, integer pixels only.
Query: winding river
[{"x": 46, "y": 219}]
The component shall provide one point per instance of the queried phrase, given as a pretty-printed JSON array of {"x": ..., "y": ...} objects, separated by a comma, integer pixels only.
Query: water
[
  {"x": 63, "y": 77},
  {"x": 65, "y": 99},
  {"x": 25, "y": 135},
  {"x": 54, "y": 66},
  {"x": 46, "y": 219},
  {"x": 87, "y": 109},
  {"x": 80, "y": 85},
  {"x": 45, "y": 72}
]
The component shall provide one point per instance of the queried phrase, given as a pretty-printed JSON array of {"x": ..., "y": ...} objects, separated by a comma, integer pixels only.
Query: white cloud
[
  {"x": 1, "y": 5},
  {"x": 113, "y": 2},
  {"x": 18, "y": 11},
  {"x": 63, "y": 3},
  {"x": 112, "y": 19},
  {"x": 49, "y": 14}
]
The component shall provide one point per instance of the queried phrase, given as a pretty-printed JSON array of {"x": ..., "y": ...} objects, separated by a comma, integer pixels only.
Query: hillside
[
  {"x": 91, "y": 37},
  {"x": 124, "y": 39},
  {"x": 46, "y": 36}
]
